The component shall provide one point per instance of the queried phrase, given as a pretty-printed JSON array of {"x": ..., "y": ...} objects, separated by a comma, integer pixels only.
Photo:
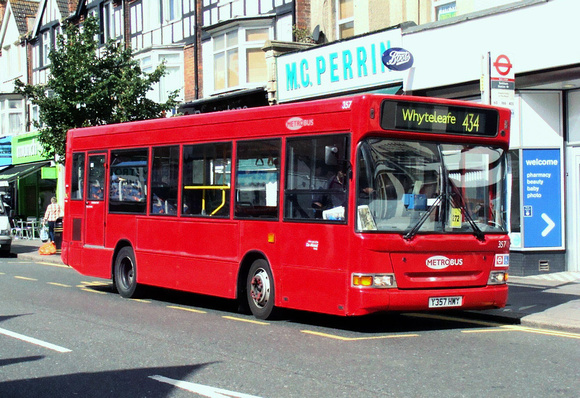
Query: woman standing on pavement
[{"x": 52, "y": 213}]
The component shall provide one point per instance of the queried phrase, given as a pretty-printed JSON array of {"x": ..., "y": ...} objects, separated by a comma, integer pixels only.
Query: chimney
[{"x": 72, "y": 6}]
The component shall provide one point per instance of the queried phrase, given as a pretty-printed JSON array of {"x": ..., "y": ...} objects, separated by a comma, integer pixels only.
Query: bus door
[{"x": 95, "y": 200}]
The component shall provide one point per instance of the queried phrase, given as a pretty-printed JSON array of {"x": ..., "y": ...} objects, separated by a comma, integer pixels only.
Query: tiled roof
[
  {"x": 22, "y": 10},
  {"x": 63, "y": 7}
]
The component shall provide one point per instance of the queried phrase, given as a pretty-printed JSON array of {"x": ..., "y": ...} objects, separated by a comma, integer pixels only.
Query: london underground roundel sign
[{"x": 502, "y": 65}]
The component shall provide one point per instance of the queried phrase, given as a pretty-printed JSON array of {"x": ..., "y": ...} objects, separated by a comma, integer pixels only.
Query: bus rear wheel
[
  {"x": 260, "y": 289},
  {"x": 125, "y": 273}
]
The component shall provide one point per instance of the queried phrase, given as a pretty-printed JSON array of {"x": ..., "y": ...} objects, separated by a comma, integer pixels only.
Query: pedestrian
[{"x": 52, "y": 213}]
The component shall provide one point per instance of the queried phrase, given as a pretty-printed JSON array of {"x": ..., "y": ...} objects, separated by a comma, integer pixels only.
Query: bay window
[{"x": 238, "y": 58}]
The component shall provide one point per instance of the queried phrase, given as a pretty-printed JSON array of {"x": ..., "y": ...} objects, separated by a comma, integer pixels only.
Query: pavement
[{"x": 550, "y": 301}]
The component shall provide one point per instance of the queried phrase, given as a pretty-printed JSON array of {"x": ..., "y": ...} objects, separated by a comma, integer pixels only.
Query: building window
[
  {"x": 15, "y": 117},
  {"x": 45, "y": 48},
  {"x": 345, "y": 18},
  {"x": 238, "y": 57},
  {"x": 256, "y": 70},
  {"x": 226, "y": 60},
  {"x": 171, "y": 81},
  {"x": 444, "y": 9},
  {"x": 171, "y": 10}
]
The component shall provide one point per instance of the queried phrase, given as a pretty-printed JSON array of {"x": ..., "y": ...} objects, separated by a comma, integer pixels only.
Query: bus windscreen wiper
[
  {"x": 411, "y": 234},
  {"x": 476, "y": 230}
]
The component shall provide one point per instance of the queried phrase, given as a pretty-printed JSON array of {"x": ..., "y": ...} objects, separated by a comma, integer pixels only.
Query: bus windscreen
[{"x": 438, "y": 118}]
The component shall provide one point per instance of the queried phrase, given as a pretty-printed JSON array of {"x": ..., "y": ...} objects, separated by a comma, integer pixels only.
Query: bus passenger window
[
  {"x": 206, "y": 179},
  {"x": 164, "y": 179},
  {"x": 77, "y": 177},
  {"x": 257, "y": 179},
  {"x": 128, "y": 181},
  {"x": 316, "y": 178}
]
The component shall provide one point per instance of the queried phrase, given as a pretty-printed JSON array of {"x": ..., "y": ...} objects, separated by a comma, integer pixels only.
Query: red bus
[{"x": 343, "y": 206}]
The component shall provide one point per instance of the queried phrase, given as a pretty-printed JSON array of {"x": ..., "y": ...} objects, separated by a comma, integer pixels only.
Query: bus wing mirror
[{"x": 331, "y": 155}]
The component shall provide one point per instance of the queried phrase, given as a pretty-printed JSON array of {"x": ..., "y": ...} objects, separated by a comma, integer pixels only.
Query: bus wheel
[
  {"x": 260, "y": 289},
  {"x": 126, "y": 273}
]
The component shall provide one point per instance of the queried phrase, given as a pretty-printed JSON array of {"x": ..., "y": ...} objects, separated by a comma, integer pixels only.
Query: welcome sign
[{"x": 339, "y": 67}]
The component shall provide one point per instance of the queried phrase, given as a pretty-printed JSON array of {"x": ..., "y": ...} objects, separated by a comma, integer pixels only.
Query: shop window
[
  {"x": 316, "y": 178},
  {"x": 77, "y": 176},
  {"x": 206, "y": 179},
  {"x": 257, "y": 179},
  {"x": 128, "y": 181},
  {"x": 164, "y": 180},
  {"x": 515, "y": 205}
]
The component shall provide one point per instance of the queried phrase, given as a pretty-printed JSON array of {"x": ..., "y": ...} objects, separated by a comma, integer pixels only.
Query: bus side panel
[
  {"x": 191, "y": 255},
  {"x": 315, "y": 259},
  {"x": 96, "y": 261}
]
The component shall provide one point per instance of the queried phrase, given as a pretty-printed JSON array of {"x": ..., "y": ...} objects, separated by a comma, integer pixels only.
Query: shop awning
[
  {"x": 392, "y": 90},
  {"x": 13, "y": 172}
]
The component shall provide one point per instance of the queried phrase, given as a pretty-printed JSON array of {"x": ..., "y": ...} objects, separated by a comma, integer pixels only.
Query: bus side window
[
  {"x": 316, "y": 178},
  {"x": 206, "y": 179},
  {"x": 128, "y": 181},
  {"x": 164, "y": 178},
  {"x": 257, "y": 178},
  {"x": 77, "y": 177}
]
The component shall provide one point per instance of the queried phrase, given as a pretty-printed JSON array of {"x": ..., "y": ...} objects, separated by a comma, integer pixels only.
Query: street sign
[
  {"x": 503, "y": 66},
  {"x": 502, "y": 81},
  {"x": 542, "y": 198}
]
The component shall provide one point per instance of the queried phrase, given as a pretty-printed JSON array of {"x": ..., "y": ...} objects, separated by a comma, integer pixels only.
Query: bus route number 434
[{"x": 438, "y": 302}]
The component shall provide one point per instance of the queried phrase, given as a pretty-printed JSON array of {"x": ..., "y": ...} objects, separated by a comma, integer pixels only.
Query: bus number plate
[{"x": 439, "y": 302}]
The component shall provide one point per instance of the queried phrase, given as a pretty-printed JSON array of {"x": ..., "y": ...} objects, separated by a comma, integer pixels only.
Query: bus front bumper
[{"x": 365, "y": 301}]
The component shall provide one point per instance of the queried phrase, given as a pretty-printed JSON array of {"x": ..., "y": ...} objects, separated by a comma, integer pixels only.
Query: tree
[{"x": 91, "y": 86}]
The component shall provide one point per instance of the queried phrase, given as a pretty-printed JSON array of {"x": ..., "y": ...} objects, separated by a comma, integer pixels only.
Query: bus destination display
[{"x": 437, "y": 118}]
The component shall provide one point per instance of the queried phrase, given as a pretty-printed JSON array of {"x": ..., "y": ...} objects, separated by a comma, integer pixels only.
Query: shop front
[
  {"x": 31, "y": 178},
  {"x": 545, "y": 128},
  {"x": 449, "y": 62}
]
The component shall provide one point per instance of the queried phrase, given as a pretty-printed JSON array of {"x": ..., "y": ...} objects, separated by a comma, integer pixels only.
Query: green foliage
[{"x": 91, "y": 85}]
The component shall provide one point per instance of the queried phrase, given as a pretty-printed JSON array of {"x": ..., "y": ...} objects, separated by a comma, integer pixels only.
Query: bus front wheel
[
  {"x": 126, "y": 273},
  {"x": 260, "y": 289}
]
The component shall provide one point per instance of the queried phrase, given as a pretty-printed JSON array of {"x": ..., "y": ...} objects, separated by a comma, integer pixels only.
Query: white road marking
[
  {"x": 32, "y": 340},
  {"x": 206, "y": 391}
]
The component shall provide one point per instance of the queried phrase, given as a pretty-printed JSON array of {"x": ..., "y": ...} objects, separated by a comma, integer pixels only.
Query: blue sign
[
  {"x": 397, "y": 58},
  {"x": 542, "y": 202},
  {"x": 5, "y": 151}
]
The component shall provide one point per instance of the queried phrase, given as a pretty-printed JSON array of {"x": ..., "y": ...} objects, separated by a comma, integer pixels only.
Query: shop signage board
[
  {"x": 348, "y": 65},
  {"x": 5, "y": 151},
  {"x": 542, "y": 198},
  {"x": 26, "y": 148}
]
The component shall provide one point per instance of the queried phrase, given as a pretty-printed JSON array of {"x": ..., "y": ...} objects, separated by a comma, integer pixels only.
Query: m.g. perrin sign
[
  {"x": 346, "y": 66},
  {"x": 398, "y": 59}
]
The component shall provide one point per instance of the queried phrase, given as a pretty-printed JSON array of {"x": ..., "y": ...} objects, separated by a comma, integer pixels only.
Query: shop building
[{"x": 534, "y": 37}]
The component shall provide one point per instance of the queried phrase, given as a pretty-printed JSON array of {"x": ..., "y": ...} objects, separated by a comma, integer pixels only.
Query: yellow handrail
[{"x": 210, "y": 187}]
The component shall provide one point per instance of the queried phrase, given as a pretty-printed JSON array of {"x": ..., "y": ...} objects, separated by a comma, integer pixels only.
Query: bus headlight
[
  {"x": 377, "y": 281},
  {"x": 497, "y": 278}
]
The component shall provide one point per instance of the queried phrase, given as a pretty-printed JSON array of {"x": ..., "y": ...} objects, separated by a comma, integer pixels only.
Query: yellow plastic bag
[{"x": 47, "y": 249}]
